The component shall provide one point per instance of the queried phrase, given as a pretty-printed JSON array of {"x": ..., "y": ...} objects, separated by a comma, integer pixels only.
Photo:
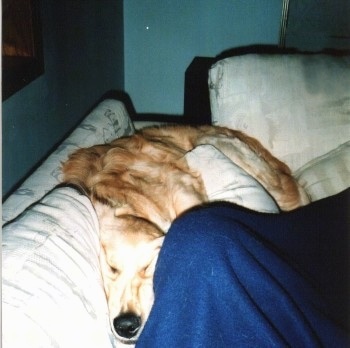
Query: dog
[{"x": 139, "y": 184}]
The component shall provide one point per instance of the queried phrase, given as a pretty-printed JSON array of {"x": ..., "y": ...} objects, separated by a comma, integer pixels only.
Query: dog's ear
[{"x": 83, "y": 164}]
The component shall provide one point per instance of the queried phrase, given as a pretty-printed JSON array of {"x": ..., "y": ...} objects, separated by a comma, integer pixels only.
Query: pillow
[
  {"x": 326, "y": 175},
  {"x": 297, "y": 105},
  {"x": 225, "y": 181},
  {"x": 52, "y": 290},
  {"x": 109, "y": 120}
]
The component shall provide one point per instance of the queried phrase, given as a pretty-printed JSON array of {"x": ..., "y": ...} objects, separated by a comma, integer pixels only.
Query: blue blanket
[{"x": 230, "y": 277}]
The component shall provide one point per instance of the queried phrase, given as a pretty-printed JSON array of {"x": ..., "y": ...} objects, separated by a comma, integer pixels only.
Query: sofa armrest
[
  {"x": 52, "y": 289},
  {"x": 109, "y": 120}
]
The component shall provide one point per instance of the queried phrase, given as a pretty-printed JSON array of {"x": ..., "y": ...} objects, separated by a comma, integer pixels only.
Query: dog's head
[{"x": 129, "y": 250}]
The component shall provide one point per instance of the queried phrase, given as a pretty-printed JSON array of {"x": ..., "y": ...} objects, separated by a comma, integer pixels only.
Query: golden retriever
[{"x": 139, "y": 185}]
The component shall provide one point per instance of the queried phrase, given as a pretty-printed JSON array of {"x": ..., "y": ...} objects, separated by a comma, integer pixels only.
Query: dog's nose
[{"x": 126, "y": 325}]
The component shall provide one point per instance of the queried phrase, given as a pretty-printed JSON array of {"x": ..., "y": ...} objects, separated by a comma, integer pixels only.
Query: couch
[{"x": 297, "y": 105}]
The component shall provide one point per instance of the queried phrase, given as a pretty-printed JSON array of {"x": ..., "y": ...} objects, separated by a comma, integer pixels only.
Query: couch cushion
[
  {"x": 109, "y": 120},
  {"x": 226, "y": 181},
  {"x": 326, "y": 175},
  {"x": 298, "y": 105},
  {"x": 52, "y": 290}
]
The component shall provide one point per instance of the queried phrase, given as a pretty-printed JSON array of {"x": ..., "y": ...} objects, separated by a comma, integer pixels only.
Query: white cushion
[
  {"x": 225, "y": 181},
  {"x": 326, "y": 175},
  {"x": 298, "y": 106},
  {"x": 52, "y": 290},
  {"x": 109, "y": 120}
]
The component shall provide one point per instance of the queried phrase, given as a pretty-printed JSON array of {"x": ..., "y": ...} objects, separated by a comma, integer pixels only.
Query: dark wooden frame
[{"x": 22, "y": 51}]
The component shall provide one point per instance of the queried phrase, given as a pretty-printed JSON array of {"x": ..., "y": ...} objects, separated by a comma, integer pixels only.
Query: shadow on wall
[
  {"x": 118, "y": 95},
  {"x": 155, "y": 117}
]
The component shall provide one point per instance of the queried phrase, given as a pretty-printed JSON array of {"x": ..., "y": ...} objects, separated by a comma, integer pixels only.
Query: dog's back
[{"x": 149, "y": 166}]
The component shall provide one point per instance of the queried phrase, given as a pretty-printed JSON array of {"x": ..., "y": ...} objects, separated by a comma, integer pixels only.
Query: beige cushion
[
  {"x": 298, "y": 106},
  {"x": 225, "y": 181},
  {"x": 328, "y": 174}
]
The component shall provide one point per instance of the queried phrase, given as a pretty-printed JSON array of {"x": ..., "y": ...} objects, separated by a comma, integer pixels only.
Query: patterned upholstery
[
  {"x": 52, "y": 289},
  {"x": 297, "y": 105}
]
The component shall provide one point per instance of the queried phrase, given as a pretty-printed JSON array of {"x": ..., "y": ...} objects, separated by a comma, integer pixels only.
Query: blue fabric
[{"x": 230, "y": 277}]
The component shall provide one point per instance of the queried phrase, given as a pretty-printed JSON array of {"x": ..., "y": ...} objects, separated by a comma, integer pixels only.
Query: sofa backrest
[{"x": 297, "y": 105}]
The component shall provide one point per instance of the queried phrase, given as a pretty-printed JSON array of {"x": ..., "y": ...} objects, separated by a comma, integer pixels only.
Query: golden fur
[{"x": 140, "y": 184}]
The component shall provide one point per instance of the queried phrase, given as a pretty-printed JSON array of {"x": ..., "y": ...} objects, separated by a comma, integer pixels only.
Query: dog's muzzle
[{"x": 127, "y": 325}]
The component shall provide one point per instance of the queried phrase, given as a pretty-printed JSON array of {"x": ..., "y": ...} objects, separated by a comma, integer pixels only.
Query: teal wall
[
  {"x": 163, "y": 36},
  {"x": 84, "y": 58},
  {"x": 140, "y": 46}
]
